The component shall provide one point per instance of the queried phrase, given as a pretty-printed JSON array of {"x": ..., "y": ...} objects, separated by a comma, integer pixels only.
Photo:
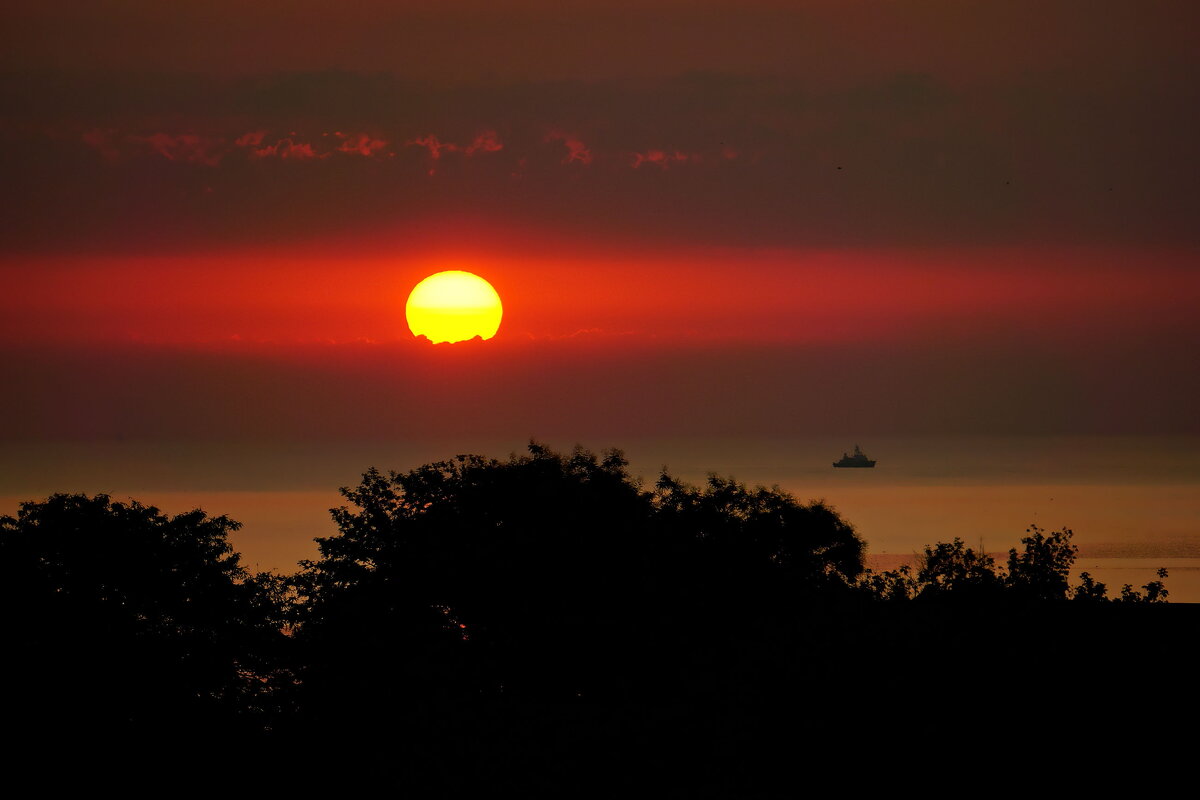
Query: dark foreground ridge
[{"x": 546, "y": 624}]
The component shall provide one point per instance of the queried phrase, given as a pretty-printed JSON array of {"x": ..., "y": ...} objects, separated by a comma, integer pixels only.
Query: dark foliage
[
  {"x": 955, "y": 568},
  {"x": 1039, "y": 572},
  {"x": 126, "y": 628},
  {"x": 546, "y": 624},
  {"x": 554, "y": 571},
  {"x": 551, "y": 584}
]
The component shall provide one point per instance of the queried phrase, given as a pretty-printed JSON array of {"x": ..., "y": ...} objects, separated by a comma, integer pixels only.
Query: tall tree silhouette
[
  {"x": 553, "y": 560},
  {"x": 545, "y": 578}
]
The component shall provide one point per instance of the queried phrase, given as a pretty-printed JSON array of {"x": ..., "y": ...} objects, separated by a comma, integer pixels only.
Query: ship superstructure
[{"x": 856, "y": 459}]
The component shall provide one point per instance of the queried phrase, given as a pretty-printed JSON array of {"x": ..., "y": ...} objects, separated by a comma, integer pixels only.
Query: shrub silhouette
[
  {"x": 1039, "y": 572},
  {"x": 1155, "y": 591},
  {"x": 955, "y": 568}
]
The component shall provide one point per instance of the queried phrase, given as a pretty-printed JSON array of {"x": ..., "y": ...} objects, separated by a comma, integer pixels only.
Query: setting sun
[{"x": 453, "y": 306}]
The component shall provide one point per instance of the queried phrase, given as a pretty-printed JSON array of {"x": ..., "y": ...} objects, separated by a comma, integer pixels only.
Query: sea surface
[{"x": 1133, "y": 503}]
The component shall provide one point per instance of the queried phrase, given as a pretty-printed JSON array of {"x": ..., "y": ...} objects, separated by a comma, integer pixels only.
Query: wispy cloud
[
  {"x": 577, "y": 151},
  {"x": 434, "y": 145},
  {"x": 361, "y": 143},
  {"x": 485, "y": 142},
  {"x": 287, "y": 149},
  {"x": 250, "y": 139},
  {"x": 188, "y": 147},
  {"x": 662, "y": 158}
]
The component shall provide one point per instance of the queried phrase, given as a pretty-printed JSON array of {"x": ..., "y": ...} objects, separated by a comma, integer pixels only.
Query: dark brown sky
[
  {"x": 784, "y": 123},
  {"x": 830, "y": 41},
  {"x": 978, "y": 216}
]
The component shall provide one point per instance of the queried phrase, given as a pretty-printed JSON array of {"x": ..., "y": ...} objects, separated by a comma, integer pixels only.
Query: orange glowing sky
[
  {"x": 693, "y": 295},
  {"x": 705, "y": 215}
]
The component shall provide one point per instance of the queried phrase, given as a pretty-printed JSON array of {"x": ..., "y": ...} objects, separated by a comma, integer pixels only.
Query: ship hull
[{"x": 859, "y": 465}]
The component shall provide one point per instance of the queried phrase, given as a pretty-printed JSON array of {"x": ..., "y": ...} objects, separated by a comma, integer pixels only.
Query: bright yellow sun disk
[{"x": 453, "y": 306}]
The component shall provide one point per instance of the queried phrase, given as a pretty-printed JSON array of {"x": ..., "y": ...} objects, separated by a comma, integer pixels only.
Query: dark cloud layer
[
  {"x": 175, "y": 161},
  {"x": 829, "y": 40},
  {"x": 760, "y": 122}
]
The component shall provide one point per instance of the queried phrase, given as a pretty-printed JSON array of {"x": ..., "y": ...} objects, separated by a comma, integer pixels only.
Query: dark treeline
[{"x": 549, "y": 624}]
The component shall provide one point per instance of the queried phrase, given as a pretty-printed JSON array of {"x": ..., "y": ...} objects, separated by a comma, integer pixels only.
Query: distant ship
[{"x": 856, "y": 459}]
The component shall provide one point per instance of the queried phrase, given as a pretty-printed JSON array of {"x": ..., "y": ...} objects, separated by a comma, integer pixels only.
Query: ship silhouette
[{"x": 856, "y": 459}]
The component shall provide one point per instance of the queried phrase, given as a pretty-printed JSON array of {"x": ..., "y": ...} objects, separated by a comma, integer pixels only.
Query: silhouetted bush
[
  {"x": 1039, "y": 572},
  {"x": 954, "y": 568}
]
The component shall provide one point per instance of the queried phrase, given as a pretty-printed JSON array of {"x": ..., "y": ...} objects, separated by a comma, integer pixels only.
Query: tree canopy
[
  {"x": 550, "y": 563},
  {"x": 475, "y": 621},
  {"x": 146, "y": 619}
]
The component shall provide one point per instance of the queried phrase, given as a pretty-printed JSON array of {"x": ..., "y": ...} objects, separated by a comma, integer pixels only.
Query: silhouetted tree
[
  {"x": 550, "y": 567},
  {"x": 460, "y": 590},
  {"x": 120, "y": 617},
  {"x": 483, "y": 624},
  {"x": 1043, "y": 568},
  {"x": 954, "y": 568}
]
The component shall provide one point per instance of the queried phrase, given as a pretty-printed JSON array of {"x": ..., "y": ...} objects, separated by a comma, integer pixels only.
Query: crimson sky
[{"x": 703, "y": 217}]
